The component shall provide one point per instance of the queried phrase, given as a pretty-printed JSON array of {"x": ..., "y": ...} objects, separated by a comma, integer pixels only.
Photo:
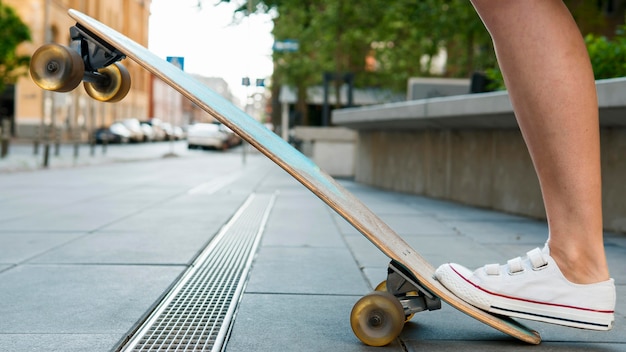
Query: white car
[
  {"x": 134, "y": 127},
  {"x": 207, "y": 135}
]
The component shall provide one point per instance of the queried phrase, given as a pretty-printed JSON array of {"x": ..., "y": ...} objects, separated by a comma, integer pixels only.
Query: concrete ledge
[
  {"x": 469, "y": 149},
  {"x": 332, "y": 148},
  {"x": 485, "y": 110}
]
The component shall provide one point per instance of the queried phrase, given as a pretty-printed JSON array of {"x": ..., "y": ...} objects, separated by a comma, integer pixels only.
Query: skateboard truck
[
  {"x": 89, "y": 59},
  {"x": 95, "y": 54},
  {"x": 411, "y": 294}
]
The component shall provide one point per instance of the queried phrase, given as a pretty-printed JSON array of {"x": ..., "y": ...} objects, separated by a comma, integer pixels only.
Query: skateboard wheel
[
  {"x": 57, "y": 68},
  {"x": 377, "y": 318},
  {"x": 116, "y": 86},
  {"x": 383, "y": 288}
]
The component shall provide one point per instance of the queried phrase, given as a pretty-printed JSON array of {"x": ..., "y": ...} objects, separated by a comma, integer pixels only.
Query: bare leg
[{"x": 551, "y": 85}]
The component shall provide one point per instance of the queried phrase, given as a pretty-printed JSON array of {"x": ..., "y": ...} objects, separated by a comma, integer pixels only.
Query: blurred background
[{"x": 277, "y": 59}]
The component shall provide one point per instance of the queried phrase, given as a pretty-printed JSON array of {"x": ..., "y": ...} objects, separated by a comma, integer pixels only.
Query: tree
[
  {"x": 13, "y": 32},
  {"x": 383, "y": 43}
]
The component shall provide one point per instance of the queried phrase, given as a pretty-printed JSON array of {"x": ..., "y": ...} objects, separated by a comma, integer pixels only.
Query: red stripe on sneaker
[{"x": 528, "y": 300}]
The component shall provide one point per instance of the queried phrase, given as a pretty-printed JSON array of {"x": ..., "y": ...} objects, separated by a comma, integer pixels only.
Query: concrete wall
[
  {"x": 332, "y": 148},
  {"x": 468, "y": 149},
  {"x": 487, "y": 168}
]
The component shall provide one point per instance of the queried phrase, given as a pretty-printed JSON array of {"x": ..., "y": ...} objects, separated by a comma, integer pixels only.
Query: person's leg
[
  {"x": 548, "y": 74},
  {"x": 551, "y": 85}
]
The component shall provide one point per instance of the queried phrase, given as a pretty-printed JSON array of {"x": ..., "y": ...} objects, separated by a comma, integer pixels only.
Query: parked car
[
  {"x": 179, "y": 133},
  {"x": 148, "y": 132},
  {"x": 233, "y": 138},
  {"x": 116, "y": 133},
  {"x": 134, "y": 127},
  {"x": 157, "y": 129},
  {"x": 207, "y": 135}
]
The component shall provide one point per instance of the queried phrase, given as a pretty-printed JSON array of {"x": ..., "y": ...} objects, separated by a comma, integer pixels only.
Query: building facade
[{"x": 74, "y": 114}]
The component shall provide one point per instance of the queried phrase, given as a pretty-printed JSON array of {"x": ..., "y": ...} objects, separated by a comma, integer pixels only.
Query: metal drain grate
[{"x": 196, "y": 315}]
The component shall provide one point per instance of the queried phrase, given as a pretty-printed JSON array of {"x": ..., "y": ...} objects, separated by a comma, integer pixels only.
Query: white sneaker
[{"x": 533, "y": 288}]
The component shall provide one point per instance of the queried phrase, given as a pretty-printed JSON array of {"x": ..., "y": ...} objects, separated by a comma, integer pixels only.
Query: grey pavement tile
[
  {"x": 417, "y": 225},
  {"x": 58, "y": 342},
  {"x": 118, "y": 247},
  {"x": 301, "y": 270},
  {"x": 446, "y": 210},
  {"x": 556, "y": 333},
  {"x": 620, "y": 309},
  {"x": 142, "y": 194},
  {"x": 375, "y": 275},
  {"x": 617, "y": 239},
  {"x": 175, "y": 220},
  {"x": 72, "y": 299},
  {"x": 199, "y": 203},
  {"x": 68, "y": 219},
  {"x": 16, "y": 247},
  {"x": 279, "y": 323},
  {"x": 616, "y": 259},
  {"x": 365, "y": 253},
  {"x": 497, "y": 346},
  {"x": 522, "y": 231},
  {"x": 308, "y": 224}
]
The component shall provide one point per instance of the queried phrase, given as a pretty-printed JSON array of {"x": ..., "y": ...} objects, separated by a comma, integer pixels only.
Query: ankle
[{"x": 581, "y": 266}]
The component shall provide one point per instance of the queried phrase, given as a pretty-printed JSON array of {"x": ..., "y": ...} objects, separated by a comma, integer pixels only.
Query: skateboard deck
[{"x": 303, "y": 170}]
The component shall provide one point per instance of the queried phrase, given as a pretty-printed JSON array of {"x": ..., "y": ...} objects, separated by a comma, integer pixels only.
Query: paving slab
[
  {"x": 507, "y": 346},
  {"x": 310, "y": 224},
  {"x": 267, "y": 322},
  {"x": 17, "y": 247},
  {"x": 330, "y": 271},
  {"x": 57, "y": 342},
  {"x": 121, "y": 247},
  {"x": 79, "y": 299}
]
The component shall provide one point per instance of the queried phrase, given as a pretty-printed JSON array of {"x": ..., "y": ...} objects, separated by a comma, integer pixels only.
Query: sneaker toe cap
[{"x": 457, "y": 279}]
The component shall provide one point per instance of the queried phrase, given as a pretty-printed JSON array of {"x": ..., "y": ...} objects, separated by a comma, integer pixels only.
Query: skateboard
[{"x": 376, "y": 319}]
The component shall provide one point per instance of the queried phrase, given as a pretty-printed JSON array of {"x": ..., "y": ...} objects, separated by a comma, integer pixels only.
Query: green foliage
[
  {"x": 608, "y": 58},
  {"x": 404, "y": 37},
  {"x": 12, "y": 33}
]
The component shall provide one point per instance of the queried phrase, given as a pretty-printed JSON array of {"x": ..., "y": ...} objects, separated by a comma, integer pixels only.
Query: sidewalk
[
  {"x": 22, "y": 157},
  {"x": 86, "y": 252}
]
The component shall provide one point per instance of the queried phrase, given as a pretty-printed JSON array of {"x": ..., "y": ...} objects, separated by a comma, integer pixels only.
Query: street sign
[
  {"x": 287, "y": 45},
  {"x": 177, "y": 61}
]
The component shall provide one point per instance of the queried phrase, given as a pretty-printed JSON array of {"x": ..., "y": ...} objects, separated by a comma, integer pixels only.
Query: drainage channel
[{"x": 196, "y": 314}]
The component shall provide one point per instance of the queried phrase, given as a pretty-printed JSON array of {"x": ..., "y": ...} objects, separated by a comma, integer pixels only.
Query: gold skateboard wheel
[
  {"x": 116, "y": 87},
  {"x": 377, "y": 318},
  {"x": 57, "y": 68}
]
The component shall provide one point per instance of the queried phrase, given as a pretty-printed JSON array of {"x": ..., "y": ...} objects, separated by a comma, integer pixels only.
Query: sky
[{"x": 211, "y": 45}]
